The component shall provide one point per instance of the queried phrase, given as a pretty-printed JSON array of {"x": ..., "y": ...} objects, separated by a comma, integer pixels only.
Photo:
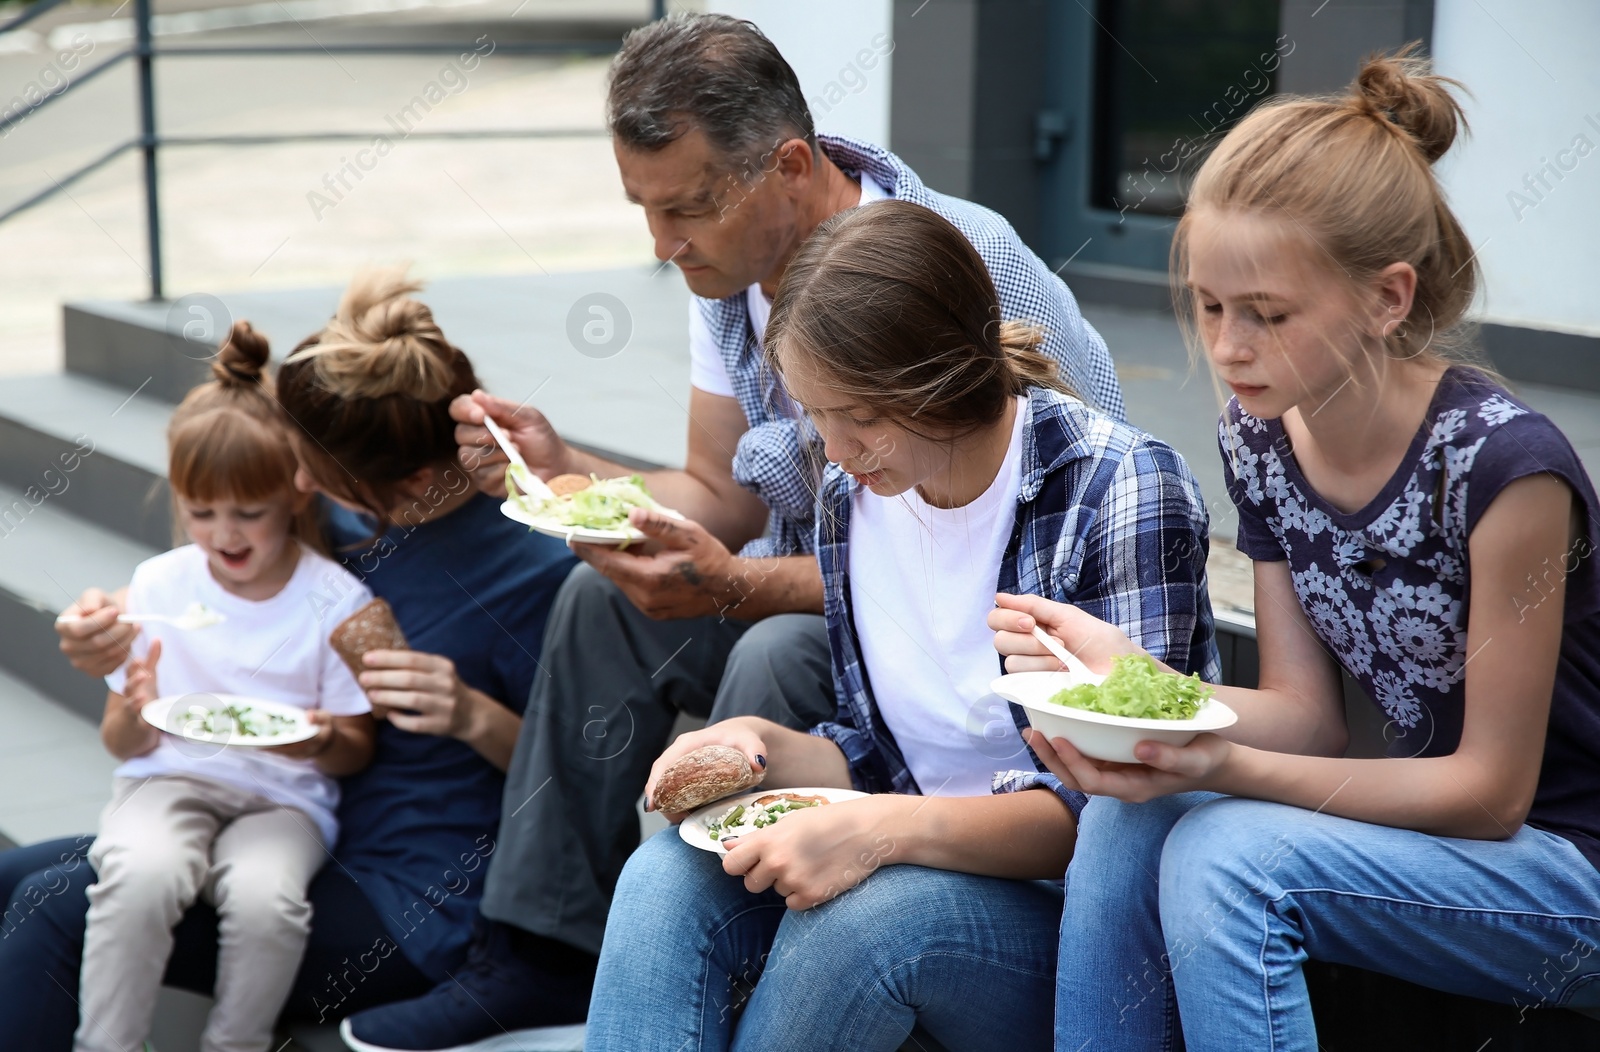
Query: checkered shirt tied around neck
[{"x": 779, "y": 458}]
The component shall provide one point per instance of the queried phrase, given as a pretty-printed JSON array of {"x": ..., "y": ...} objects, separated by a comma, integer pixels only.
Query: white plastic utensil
[
  {"x": 196, "y": 616},
  {"x": 1067, "y": 657},
  {"x": 531, "y": 484}
]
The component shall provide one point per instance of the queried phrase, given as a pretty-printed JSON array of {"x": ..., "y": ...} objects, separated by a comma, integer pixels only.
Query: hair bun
[
  {"x": 1402, "y": 90},
  {"x": 242, "y": 358},
  {"x": 381, "y": 341}
]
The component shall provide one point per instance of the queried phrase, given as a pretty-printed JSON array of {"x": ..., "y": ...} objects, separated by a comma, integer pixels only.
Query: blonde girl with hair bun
[
  {"x": 243, "y": 829},
  {"x": 1412, "y": 523}
]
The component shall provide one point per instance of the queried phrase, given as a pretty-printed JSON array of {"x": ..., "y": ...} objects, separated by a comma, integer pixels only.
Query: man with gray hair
[{"x": 714, "y": 140}]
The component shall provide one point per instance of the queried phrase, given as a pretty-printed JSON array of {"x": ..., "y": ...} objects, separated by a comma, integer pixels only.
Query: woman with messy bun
[
  {"x": 360, "y": 414},
  {"x": 1413, "y": 524}
]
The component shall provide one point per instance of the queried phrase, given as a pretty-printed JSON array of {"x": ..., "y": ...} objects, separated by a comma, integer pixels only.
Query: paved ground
[{"x": 240, "y": 218}]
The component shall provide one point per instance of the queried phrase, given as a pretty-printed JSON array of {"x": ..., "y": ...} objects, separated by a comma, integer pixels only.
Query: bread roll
[
  {"x": 703, "y": 776},
  {"x": 373, "y": 627}
]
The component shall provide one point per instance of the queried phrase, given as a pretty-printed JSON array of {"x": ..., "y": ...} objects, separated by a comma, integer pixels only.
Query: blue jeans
[
  {"x": 967, "y": 959},
  {"x": 43, "y": 888},
  {"x": 1114, "y": 984},
  {"x": 1249, "y": 890}
]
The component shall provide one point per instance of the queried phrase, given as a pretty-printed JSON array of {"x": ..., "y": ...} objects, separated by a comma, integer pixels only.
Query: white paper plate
[
  {"x": 693, "y": 828},
  {"x": 1096, "y": 734},
  {"x": 172, "y": 714},
  {"x": 619, "y": 537}
]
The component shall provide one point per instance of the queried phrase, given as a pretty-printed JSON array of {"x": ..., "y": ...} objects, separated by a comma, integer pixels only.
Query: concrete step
[
  {"x": 99, "y": 451},
  {"x": 129, "y": 345},
  {"x": 55, "y": 776},
  {"x": 48, "y": 556},
  {"x": 604, "y": 354}
]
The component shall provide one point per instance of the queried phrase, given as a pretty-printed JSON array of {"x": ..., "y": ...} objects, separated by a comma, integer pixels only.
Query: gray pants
[
  {"x": 163, "y": 843},
  {"x": 613, "y": 683}
]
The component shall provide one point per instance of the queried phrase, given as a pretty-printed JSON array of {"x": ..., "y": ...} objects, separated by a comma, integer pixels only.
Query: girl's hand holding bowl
[
  {"x": 1161, "y": 769},
  {"x": 1096, "y": 741}
]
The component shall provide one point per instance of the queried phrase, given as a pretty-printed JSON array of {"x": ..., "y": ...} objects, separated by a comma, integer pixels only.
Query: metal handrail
[
  {"x": 60, "y": 185},
  {"x": 532, "y": 47},
  {"x": 30, "y": 14},
  {"x": 149, "y": 141},
  {"x": 89, "y": 74},
  {"x": 368, "y": 136}
]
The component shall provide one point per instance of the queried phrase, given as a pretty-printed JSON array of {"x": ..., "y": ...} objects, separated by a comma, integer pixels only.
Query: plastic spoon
[
  {"x": 531, "y": 484},
  {"x": 1067, "y": 657},
  {"x": 196, "y": 616}
]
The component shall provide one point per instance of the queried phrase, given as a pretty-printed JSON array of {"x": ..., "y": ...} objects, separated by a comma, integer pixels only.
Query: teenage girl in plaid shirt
[{"x": 959, "y": 465}]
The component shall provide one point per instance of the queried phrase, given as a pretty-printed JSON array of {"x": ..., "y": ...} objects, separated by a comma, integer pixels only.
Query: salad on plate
[
  {"x": 589, "y": 510},
  {"x": 234, "y": 718},
  {"x": 1137, "y": 688},
  {"x": 758, "y": 814},
  {"x": 737, "y": 816},
  {"x": 229, "y": 719}
]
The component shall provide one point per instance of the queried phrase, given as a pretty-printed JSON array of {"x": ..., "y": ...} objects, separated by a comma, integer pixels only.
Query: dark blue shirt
[
  {"x": 419, "y": 824},
  {"x": 1388, "y": 588}
]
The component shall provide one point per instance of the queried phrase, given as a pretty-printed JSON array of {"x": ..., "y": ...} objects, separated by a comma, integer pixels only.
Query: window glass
[{"x": 1171, "y": 76}]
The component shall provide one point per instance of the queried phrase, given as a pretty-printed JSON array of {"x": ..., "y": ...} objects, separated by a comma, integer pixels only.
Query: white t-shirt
[
  {"x": 707, "y": 370},
  {"x": 276, "y": 649},
  {"x": 920, "y": 580}
]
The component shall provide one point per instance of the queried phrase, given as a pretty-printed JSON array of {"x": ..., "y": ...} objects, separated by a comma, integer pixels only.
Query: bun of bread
[
  {"x": 703, "y": 776},
  {"x": 373, "y": 627},
  {"x": 562, "y": 485}
]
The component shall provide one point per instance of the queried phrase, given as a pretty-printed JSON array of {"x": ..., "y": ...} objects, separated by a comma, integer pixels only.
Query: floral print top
[{"x": 1387, "y": 588}]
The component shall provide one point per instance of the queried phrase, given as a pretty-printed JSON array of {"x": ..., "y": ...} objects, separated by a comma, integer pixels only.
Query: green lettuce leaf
[
  {"x": 603, "y": 506},
  {"x": 1139, "y": 689}
]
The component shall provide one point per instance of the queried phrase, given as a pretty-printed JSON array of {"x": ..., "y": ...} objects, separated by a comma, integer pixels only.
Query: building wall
[
  {"x": 842, "y": 52},
  {"x": 1530, "y": 67},
  {"x": 1533, "y": 72}
]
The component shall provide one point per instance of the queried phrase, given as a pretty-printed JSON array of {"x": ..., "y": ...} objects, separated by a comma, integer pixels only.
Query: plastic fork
[
  {"x": 196, "y": 616},
  {"x": 531, "y": 484},
  {"x": 1067, "y": 657}
]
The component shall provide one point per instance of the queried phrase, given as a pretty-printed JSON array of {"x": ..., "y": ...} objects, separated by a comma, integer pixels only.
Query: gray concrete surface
[{"x": 241, "y": 219}]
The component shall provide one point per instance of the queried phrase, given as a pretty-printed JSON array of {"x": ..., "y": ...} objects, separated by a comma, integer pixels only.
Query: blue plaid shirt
[
  {"x": 776, "y": 458},
  {"x": 1108, "y": 519}
]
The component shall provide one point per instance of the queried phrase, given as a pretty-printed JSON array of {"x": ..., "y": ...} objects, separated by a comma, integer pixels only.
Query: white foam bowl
[{"x": 1096, "y": 734}]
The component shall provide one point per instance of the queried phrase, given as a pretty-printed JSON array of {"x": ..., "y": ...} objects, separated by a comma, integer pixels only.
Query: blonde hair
[
  {"x": 381, "y": 342},
  {"x": 228, "y": 440},
  {"x": 1353, "y": 172},
  {"x": 370, "y": 393}
]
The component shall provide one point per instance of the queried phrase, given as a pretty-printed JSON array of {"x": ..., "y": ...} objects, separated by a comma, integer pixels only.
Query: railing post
[{"x": 147, "y": 136}]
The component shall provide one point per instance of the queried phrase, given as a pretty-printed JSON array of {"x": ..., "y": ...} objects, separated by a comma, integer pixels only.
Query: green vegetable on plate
[
  {"x": 760, "y": 815},
  {"x": 238, "y": 719},
  {"x": 1137, "y": 688},
  {"x": 604, "y": 505}
]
